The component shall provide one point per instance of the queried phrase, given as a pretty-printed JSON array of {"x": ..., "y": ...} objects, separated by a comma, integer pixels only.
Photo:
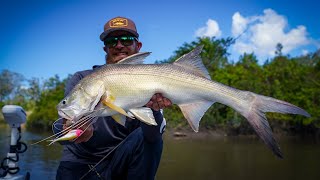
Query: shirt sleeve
[
  {"x": 73, "y": 81},
  {"x": 154, "y": 133}
]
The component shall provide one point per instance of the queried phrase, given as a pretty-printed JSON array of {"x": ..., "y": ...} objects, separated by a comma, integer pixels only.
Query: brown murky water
[{"x": 213, "y": 158}]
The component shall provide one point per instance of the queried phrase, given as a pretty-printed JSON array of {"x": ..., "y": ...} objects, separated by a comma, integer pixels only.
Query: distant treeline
[{"x": 292, "y": 79}]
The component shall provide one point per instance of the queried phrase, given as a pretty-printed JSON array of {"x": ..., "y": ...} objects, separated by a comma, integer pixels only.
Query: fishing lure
[{"x": 73, "y": 134}]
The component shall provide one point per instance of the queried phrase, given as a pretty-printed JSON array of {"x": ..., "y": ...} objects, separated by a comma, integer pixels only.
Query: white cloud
[
  {"x": 239, "y": 24},
  {"x": 305, "y": 52},
  {"x": 262, "y": 33},
  {"x": 210, "y": 30}
]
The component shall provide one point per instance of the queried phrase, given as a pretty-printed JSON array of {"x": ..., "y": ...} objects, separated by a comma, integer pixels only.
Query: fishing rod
[{"x": 93, "y": 167}]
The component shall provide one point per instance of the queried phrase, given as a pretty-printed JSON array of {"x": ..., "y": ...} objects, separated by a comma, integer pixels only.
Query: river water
[{"x": 208, "y": 157}]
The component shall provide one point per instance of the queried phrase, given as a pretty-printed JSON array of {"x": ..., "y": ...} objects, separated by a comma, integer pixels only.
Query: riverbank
[
  {"x": 309, "y": 131},
  {"x": 279, "y": 129}
]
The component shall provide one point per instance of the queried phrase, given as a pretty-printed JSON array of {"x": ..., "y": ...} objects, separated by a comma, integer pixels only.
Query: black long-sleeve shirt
[{"x": 107, "y": 132}]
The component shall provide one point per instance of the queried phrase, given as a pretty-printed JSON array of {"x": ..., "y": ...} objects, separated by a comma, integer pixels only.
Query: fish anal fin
[
  {"x": 193, "y": 112},
  {"x": 144, "y": 114}
]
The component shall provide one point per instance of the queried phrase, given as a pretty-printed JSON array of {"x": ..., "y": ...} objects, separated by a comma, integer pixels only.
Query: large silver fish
[{"x": 123, "y": 89}]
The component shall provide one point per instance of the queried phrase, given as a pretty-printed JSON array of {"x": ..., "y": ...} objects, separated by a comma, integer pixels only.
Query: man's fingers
[
  {"x": 154, "y": 97},
  {"x": 158, "y": 102},
  {"x": 159, "y": 97},
  {"x": 149, "y": 104},
  {"x": 83, "y": 138},
  {"x": 155, "y": 107},
  {"x": 86, "y": 135},
  {"x": 167, "y": 102}
]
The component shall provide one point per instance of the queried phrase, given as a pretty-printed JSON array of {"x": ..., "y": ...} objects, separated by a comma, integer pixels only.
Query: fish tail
[{"x": 255, "y": 114}]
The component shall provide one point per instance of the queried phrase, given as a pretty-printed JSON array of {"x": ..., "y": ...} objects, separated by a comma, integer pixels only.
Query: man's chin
[{"x": 120, "y": 57}]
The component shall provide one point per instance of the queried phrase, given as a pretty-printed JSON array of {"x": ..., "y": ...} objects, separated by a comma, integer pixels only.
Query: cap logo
[{"x": 118, "y": 22}]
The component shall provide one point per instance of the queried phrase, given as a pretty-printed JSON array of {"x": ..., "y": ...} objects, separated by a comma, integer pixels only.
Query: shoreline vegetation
[
  {"x": 310, "y": 132},
  {"x": 292, "y": 79},
  {"x": 187, "y": 132}
]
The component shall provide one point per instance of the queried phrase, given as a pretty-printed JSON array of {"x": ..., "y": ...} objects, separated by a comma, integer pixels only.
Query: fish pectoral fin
[
  {"x": 144, "y": 114},
  {"x": 115, "y": 108},
  {"x": 98, "y": 97},
  {"x": 193, "y": 112},
  {"x": 119, "y": 118}
]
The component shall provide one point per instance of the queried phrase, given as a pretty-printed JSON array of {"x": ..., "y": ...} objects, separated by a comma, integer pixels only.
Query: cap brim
[{"x": 106, "y": 33}]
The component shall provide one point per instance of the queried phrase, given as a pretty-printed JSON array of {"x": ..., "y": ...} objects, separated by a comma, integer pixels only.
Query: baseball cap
[{"x": 119, "y": 23}]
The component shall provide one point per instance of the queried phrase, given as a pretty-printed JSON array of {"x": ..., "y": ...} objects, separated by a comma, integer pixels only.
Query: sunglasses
[{"x": 124, "y": 40}]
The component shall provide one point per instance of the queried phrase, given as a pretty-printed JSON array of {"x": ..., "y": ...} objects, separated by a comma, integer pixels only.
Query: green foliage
[
  {"x": 45, "y": 111},
  {"x": 292, "y": 81},
  {"x": 10, "y": 82},
  {"x": 175, "y": 116},
  {"x": 295, "y": 80},
  {"x": 214, "y": 54}
]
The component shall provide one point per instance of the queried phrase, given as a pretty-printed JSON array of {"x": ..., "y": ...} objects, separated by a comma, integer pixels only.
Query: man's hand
[
  {"x": 85, "y": 136},
  {"x": 158, "y": 102}
]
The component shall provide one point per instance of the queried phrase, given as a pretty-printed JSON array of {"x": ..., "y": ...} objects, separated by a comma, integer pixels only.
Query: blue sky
[{"x": 41, "y": 38}]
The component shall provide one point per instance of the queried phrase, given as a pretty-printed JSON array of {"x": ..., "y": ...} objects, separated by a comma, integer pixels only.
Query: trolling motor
[{"x": 14, "y": 116}]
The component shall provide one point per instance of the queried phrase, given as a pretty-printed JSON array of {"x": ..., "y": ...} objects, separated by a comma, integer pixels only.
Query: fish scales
[{"x": 126, "y": 87}]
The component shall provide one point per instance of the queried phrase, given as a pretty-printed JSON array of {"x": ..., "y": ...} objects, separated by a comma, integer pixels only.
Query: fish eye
[{"x": 64, "y": 102}]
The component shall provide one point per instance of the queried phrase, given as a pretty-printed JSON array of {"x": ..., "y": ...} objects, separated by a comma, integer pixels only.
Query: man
[{"x": 132, "y": 151}]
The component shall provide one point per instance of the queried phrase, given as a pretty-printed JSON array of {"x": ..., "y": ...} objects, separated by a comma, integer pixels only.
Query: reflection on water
[
  {"x": 40, "y": 160},
  {"x": 195, "y": 158},
  {"x": 239, "y": 158}
]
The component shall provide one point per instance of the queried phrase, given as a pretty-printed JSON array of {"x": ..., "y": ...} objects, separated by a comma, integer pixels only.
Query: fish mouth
[{"x": 64, "y": 115}]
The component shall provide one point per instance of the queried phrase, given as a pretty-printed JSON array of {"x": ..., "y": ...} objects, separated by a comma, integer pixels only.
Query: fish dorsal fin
[
  {"x": 137, "y": 58},
  {"x": 144, "y": 114},
  {"x": 193, "y": 112},
  {"x": 192, "y": 61}
]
